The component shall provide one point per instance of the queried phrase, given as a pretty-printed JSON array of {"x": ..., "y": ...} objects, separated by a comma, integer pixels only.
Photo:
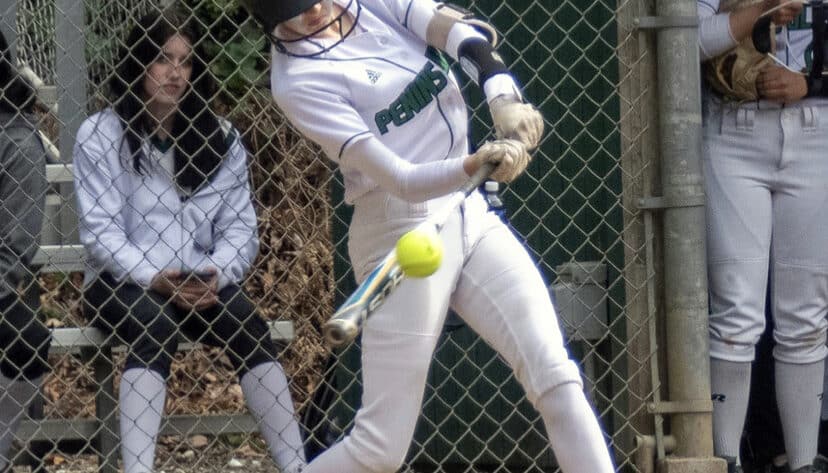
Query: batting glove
[
  {"x": 516, "y": 120},
  {"x": 510, "y": 156}
]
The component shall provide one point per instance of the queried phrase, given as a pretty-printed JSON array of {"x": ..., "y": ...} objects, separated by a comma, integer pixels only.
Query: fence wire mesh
[{"x": 582, "y": 64}]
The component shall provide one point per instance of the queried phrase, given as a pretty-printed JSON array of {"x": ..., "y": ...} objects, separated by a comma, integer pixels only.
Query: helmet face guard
[{"x": 270, "y": 13}]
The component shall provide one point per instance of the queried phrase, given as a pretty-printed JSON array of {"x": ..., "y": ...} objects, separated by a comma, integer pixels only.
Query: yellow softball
[{"x": 419, "y": 253}]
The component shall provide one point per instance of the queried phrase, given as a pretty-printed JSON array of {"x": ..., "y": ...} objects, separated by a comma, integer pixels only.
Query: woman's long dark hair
[
  {"x": 198, "y": 139},
  {"x": 16, "y": 94}
]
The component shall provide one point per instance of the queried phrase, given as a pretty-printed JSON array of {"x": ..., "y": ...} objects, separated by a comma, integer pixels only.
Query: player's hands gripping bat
[
  {"x": 510, "y": 157},
  {"x": 516, "y": 120},
  {"x": 346, "y": 322}
]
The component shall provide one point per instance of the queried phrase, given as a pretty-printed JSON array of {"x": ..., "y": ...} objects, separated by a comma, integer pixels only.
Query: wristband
[{"x": 479, "y": 60}]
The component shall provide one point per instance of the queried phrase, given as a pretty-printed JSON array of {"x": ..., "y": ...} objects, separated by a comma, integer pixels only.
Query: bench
[{"x": 91, "y": 345}]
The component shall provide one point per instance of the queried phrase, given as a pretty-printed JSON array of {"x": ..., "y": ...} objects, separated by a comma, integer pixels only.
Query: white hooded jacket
[{"x": 134, "y": 225}]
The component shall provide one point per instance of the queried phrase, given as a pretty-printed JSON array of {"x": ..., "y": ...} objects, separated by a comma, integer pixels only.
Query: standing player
[
  {"x": 767, "y": 211},
  {"x": 170, "y": 231},
  {"x": 24, "y": 340},
  {"x": 367, "y": 82}
]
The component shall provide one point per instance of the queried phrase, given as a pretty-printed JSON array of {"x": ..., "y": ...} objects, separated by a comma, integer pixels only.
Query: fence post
[
  {"x": 639, "y": 159},
  {"x": 8, "y": 23},
  {"x": 685, "y": 278},
  {"x": 71, "y": 79}
]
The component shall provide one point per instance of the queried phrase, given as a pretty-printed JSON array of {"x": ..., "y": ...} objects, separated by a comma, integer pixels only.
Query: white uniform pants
[
  {"x": 766, "y": 178},
  {"x": 487, "y": 277}
]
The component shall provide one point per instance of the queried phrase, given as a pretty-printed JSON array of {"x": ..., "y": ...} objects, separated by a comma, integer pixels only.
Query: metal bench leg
[
  {"x": 34, "y": 453},
  {"x": 106, "y": 408},
  {"x": 37, "y": 450}
]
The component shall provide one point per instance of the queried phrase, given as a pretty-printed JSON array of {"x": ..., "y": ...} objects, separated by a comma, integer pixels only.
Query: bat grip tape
[{"x": 478, "y": 177}]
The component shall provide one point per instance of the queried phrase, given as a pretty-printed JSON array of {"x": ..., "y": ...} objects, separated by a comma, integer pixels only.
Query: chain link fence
[{"x": 582, "y": 63}]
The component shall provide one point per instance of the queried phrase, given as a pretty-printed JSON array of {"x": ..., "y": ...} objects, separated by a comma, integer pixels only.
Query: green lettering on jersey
[
  {"x": 437, "y": 57},
  {"x": 418, "y": 94},
  {"x": 415, "y": 98},
  {"x": 401, "y": 112},
  {"x": 382, "y": 119},
  {"x": 427, "y": 85}
]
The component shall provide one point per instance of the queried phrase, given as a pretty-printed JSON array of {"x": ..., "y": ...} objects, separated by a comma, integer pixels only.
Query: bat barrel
[
  {"x": 338, "y": 332},
  {"x": 369, "y": 296}
]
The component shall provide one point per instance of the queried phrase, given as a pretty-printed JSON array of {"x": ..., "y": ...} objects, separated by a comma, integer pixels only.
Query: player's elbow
[{"x": 389, "y": 462}]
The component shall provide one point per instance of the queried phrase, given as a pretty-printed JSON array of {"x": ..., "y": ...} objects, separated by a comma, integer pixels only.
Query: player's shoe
[
  {"x": 732, "y": 467},
  {"x": 806, "y": 469},
  {"x": 778, "y": 469},
  {"x": 821, "y": 464}
]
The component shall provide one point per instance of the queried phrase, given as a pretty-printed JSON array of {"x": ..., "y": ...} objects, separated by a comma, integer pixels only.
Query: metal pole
[
  {"x": 72, "y": 78},
  {"x": 8, "y": 23},
  {"x": 685, "y": 282}
]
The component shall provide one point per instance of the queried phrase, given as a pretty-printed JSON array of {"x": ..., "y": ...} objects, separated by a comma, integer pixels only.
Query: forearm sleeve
[{"x": 408, "y": 181}]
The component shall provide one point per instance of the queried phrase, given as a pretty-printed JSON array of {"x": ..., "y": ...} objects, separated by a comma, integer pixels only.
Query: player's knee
[
  {"x": 539, "y": 378},
  {"x": 160, "y": 363},
  {"x": 543, "y": 378},
  {"x": 236, "y": 303},
  {"x": 250, "y": 358},
  {"x": 806, "y": 347},
  {"x": 381, "y": 449},
  {"x": 155, "y": 349},
  {"x": 390, "y": 464},
  {"x": 549, "y": 405},
  {"x": 731, "y": 343},
  {"x": 251, "y": 345},
  {"x": 389, "y": 461},
  {"x": 25, "y": 343}
]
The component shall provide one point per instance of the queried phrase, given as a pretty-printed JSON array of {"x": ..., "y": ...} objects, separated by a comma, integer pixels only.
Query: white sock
[
  {"x": 730, "y": 387},
  {"x": 573, "y": 431},
  {"x": 797, "y": 392},
  {"x": 141, "y": 399},
  {"x": 266, "y": 391},
  {"x": 15, "y": 396}
]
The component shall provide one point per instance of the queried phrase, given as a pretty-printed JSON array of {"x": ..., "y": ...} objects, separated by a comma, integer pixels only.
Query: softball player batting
[
  {"x": 767, "y": 209},
  {"x": 365, "y": 79}
]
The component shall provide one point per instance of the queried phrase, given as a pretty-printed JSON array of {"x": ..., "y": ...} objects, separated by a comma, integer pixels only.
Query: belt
[{"x": 763, "y": 104}]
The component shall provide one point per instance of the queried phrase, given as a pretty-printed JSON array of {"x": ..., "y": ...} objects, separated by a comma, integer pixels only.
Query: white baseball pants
[
  {"x": 766, "y": 178},
  {"x": 488, "y": 278}
]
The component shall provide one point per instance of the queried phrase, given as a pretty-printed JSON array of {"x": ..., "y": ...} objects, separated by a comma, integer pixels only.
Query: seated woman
[
  {"x": 24, "y": 341},
  {"x": 170, "y": 231}
]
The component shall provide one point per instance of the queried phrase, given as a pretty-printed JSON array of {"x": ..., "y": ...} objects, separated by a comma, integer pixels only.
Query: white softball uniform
[
  {"x": 766, "y": 178},
  {"x": 353, "y": 93},
  {"x": 378, "y": 104}
]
